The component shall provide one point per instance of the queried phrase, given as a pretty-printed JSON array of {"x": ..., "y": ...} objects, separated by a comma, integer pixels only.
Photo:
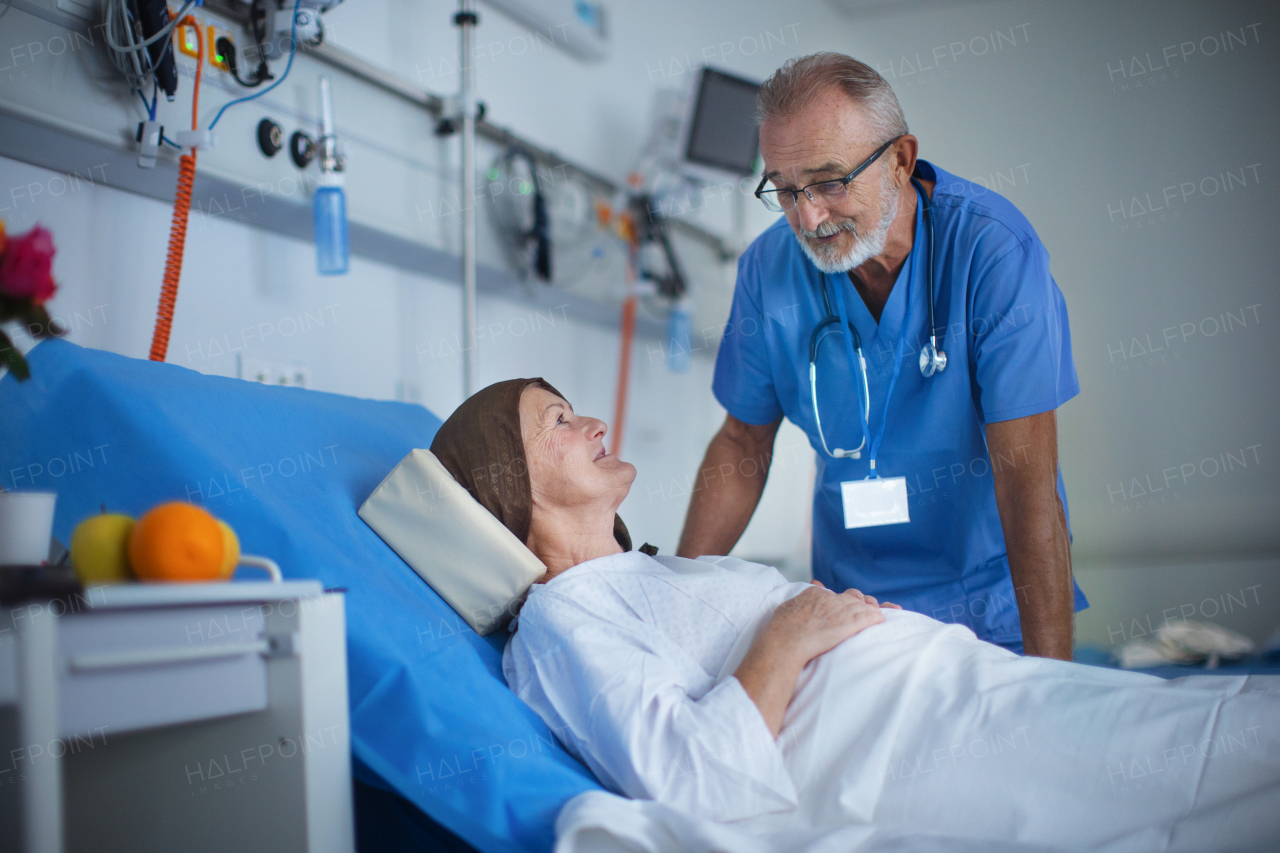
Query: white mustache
[{"x": 828, "y": 228}]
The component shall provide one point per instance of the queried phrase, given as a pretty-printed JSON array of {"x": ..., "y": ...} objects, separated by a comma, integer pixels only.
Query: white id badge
[{"x": 869, "y": 503}]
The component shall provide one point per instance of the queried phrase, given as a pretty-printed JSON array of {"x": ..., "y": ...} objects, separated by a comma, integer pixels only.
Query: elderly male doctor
[{"x": 938, "y": 485}]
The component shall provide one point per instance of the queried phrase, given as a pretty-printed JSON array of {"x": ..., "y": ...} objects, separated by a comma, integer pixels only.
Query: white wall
[{"x": 1054, "y": 104}]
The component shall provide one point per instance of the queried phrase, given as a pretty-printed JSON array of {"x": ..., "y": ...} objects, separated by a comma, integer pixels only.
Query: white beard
[{"x": 865, "y": 246}]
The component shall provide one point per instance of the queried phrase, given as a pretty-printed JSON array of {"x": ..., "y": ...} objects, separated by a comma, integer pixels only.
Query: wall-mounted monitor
[{"x": 722, "y": 132}]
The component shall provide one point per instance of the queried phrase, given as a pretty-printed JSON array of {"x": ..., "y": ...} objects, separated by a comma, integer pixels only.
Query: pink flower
[{"x": 26, "y": 267}]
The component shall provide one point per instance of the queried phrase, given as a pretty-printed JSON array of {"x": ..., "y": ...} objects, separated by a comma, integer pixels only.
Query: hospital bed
[{"x": 444, "y": 755}]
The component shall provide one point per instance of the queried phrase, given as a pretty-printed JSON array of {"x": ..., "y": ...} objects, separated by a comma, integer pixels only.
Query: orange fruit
[
  {"x": 177, "y": 542},
  {"x": 231, "y": 550}
]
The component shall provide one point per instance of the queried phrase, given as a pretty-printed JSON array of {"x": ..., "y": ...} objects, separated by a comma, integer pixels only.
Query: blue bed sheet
[
  {"x": 431, "y": 716},
  {"x": 1255, "y": 665}
]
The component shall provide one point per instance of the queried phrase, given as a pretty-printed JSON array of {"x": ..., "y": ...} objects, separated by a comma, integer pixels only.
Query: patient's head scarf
[{"x": 481, "y": 446}]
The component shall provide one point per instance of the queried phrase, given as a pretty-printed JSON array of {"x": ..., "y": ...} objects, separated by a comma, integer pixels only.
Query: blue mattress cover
[
  {"x": 1262, "y": 664},
  {"x": 431, "y": 716}
]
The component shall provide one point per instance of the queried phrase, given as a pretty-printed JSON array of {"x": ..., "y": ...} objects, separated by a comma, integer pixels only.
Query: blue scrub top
[{"x": 1008, "y": 349}]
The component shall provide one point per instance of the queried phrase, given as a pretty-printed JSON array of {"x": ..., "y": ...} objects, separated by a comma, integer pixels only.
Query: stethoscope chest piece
[{"x": 932, "y": 360}]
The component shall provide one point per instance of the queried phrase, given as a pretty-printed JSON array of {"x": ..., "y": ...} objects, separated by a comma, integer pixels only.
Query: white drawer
[{"x": 125, "y": 670}]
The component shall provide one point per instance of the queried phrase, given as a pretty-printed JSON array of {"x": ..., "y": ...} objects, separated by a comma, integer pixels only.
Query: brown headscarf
[{"x": 481, "y": 446}]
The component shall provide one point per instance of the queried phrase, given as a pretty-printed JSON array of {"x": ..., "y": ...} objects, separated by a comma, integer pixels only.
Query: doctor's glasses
[{"x": 822, "y": 194}]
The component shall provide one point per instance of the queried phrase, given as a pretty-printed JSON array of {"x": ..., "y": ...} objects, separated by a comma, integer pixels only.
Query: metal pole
[{"x": 466, "y": 20}]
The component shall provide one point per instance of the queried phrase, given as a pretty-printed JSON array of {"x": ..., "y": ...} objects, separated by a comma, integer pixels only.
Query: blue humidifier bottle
[
  {"x": 329, "y": 205},
  {"x": 329, "y": 208},
  {"x": 679, "y": 345}
]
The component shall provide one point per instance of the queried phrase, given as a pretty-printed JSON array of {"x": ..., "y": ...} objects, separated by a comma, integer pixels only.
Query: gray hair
[{"x": 800, "y": 80}]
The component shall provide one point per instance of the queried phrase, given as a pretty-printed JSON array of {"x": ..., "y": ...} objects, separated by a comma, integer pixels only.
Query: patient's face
[{"x": 568, "y": 462}]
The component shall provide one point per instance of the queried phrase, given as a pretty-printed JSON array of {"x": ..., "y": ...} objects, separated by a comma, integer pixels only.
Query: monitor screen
[{"x": 723, "y": 132}]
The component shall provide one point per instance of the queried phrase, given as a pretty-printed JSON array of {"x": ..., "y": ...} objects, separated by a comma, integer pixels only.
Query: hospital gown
[{"x": 910, "y": 726}]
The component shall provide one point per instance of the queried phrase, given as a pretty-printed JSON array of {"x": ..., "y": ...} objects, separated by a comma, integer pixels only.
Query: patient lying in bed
[{"x": 718, "y": 688}]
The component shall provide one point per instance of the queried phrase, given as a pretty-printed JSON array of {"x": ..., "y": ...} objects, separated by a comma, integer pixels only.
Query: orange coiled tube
[
  {"x": 181, "y": 209},
  {"x": 626, "y": 228},
  {"x": 628, "y": 333},
  {"x": 173, "y": 263}
]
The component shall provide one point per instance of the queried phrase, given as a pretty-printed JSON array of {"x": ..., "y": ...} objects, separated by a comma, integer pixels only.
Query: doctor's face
[
  {"x": 826, "y": 140},
  {"x": 569, "y": 466}
]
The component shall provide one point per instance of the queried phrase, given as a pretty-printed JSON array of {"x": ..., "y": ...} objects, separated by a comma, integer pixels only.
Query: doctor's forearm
[
  {"x": 1035, "y": 531},
  {"x": 1040, "y": 565}
]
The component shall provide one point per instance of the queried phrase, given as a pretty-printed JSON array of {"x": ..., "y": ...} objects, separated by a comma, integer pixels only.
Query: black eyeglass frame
[{"x": 795, "y": 194}]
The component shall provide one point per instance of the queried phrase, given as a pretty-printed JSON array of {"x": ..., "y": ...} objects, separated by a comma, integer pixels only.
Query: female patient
[{"x": 719, "y": 688}]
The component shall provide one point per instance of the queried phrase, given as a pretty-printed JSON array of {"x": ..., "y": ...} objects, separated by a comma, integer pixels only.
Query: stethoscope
[{"x": 932, "y": 358}]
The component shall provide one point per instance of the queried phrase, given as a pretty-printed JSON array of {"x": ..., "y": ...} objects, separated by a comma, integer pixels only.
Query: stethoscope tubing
[{"x": 932, "y": 359}]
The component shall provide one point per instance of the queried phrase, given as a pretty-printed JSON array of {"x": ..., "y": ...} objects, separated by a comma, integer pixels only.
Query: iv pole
[{"x": 466, "y": 20}]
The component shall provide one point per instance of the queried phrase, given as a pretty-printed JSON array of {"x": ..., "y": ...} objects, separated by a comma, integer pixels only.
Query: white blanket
[{"x": 911, "y": 735}]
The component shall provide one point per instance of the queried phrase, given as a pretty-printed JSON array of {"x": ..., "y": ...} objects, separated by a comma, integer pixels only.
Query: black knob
[
  {"x": 302, "y": 149},
  {"x": 270, "y": 137}
]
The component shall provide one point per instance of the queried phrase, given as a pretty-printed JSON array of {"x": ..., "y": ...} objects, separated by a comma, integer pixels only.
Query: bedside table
[{"x": 169, "y": 717}]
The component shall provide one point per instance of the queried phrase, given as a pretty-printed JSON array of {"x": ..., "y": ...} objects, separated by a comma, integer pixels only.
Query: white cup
[{"x": 26, "y": 525}]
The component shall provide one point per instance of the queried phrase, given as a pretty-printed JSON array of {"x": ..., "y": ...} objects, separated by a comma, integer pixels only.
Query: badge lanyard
[{"x": 897, "y": 354}]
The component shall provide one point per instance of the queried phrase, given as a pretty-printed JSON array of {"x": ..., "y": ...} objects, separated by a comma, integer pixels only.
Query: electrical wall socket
[
  {"x": 211, "y": 48},
  {"x": 273, "y": 372}
]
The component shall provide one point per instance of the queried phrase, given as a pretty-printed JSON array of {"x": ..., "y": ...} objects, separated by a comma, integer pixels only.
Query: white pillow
[{"x": 456, "y": 545}]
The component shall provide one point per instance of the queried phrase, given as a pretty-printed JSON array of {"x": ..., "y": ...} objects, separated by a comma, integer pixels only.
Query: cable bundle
[
  {"x": 131, "y": 54},
  {"x": 182, "y": 197}
]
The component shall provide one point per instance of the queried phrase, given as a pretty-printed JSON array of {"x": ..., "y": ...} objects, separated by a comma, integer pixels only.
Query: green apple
[{"x": 98, "y": 549}]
